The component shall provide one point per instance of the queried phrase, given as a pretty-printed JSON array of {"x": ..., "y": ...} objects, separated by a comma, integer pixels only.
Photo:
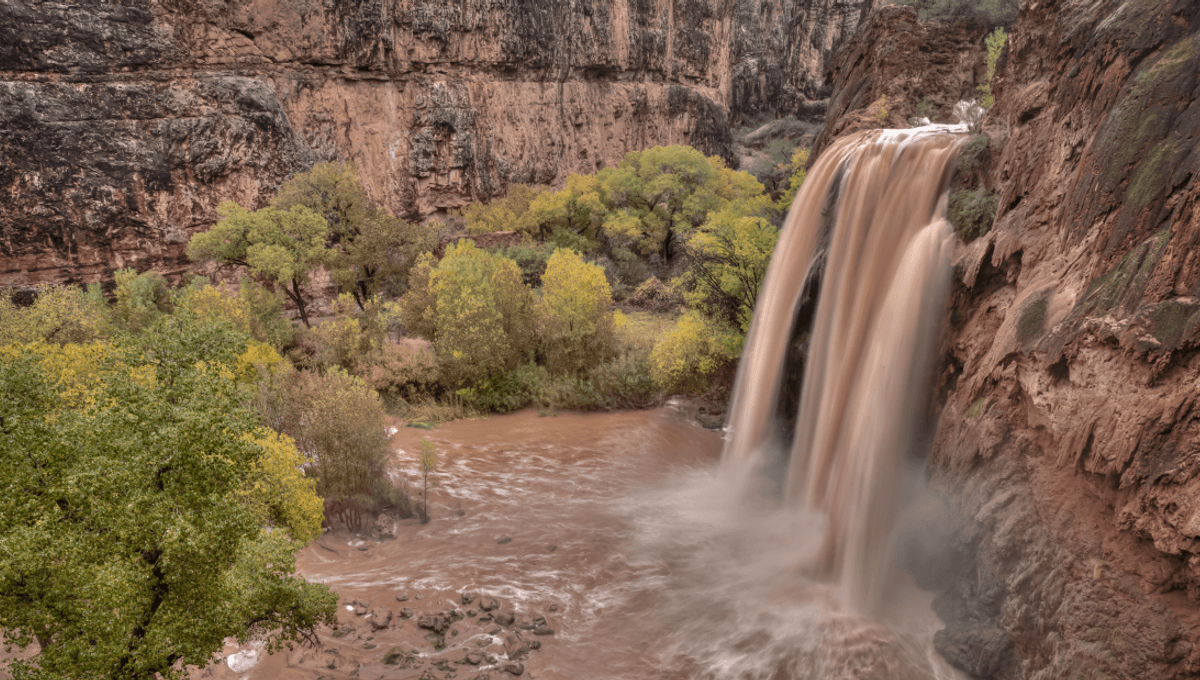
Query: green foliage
[
  {"x": 140, "y": 299},
  {"x": 531, "y": 258},
  {"x": 925, "y": 108},
  {"x": 655, "y": 295},
  {"x": 574, "y": 314},
  {"x": 510, "y": 213},
  {"x": 971, "y": 155},
  {"x": 372, "y": 251},
  {"x": 60, "y": 314},
  {"x": 797, "y": 170},
  {"x": 483, "y": 318},
  {"x": 578, "y": 209},
  {"x": 418, "y": 307},
  {"x": 125, "y": 509},
  {"x": 277, "y": 491},
  {"x": 660, "y": 195},
  {"x": 691, "y": 353},
  {"x": 253, "y": 310},
  {"x": 972, "y": 212},
  {"x": 730, "y": 254},
  {"x": 338, "y": 424},
  {"x": 402, "y": 370},
  {"x": 508, "y": 390},
  {"x": 881, "y": 112},
  {"x": 995, "y": 47},
  {"x": 281, "y": 246}
]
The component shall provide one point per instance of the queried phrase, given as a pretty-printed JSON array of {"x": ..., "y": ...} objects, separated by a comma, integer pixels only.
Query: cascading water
[
  {"x": 831, "y": 394},
  {"x": 644, "y": 555}
]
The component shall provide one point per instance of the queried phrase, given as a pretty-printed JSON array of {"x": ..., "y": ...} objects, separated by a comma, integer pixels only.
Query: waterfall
[{"x": 832, "y": 392}]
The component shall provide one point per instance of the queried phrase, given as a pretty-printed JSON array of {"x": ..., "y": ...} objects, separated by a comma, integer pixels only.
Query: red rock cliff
[
  {"x": 1069, "y": 436},
  {"x": 124, "y": 124}
]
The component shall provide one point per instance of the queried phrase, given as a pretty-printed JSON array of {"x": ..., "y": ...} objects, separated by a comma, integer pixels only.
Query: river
[{"x": 621, "y": 532}]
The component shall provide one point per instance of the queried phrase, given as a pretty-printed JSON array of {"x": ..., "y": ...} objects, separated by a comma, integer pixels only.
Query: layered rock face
[
  {"x": 124, "y": 124},
  {"x": 1069, "y": 438}
]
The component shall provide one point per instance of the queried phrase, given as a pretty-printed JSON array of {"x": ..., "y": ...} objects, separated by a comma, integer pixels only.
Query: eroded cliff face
[
  {"x": 124, "y": 124},
  {"x": 1069, "y": 438}
]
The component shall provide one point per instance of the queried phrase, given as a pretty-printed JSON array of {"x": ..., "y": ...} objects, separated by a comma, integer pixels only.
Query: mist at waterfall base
[
  {"x": 659, "y": 551},
  {"x": 789, "y": 545}
]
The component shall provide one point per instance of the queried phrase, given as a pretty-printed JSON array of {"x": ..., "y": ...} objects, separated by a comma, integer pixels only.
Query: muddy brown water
[{"x": 625, "y": 537}]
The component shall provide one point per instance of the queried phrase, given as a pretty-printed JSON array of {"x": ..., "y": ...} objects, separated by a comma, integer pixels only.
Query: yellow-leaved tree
[
  {"x": 483, "y": 314},
  {"x": 575, "y": 314}
]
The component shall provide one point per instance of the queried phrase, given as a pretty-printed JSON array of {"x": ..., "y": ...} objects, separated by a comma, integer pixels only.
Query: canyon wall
[
  {"x": 124, "y": 124},
  {"x": 1069, "y": 438}
]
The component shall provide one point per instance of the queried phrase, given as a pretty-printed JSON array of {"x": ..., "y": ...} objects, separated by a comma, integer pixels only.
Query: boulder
[{"x": 381, "y": 617}]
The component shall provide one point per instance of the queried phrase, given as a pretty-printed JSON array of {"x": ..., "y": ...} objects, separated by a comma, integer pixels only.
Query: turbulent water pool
[{"x": 618, "y": 529}]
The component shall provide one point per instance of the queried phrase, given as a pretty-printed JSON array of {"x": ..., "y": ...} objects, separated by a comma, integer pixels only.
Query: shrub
[
  {"x": 972, "y": 212},
  {"x": 403, "y": 370},
  {"x": 691, "y": 353},
  {"x": 418, "y": 307},
  {"x": 338, "y": 423},
  {"x": 60, "y": 314},
  {"x": 995, "y": 46},
  {"x": 574, "y": 317},
  {"x": 508, "y": 390},
  {"x": 140, "y": 299},
  {"x": 971, "y": 155},
  {"x": 531, "y": 259},
  {"x": 654, "y": 295}
]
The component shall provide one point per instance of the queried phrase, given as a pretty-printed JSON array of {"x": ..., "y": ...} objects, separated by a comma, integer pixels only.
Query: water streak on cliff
[{"x": 848, "y": 324}]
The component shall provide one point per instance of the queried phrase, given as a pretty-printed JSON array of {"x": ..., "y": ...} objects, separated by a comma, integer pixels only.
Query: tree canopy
[
  {"x": 281, "y": 246},
  {"x": 136, "y": 483},
  {"x": 371, "y": 250}
]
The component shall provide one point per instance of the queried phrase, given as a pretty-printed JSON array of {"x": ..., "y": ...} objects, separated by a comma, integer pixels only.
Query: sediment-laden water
[{"x": 629, "y": 546}]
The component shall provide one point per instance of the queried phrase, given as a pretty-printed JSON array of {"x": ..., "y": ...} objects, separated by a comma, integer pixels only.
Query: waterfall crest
[{"x": 833, "y": 386}]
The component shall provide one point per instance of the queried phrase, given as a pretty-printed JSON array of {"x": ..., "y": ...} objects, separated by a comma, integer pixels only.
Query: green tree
[
  {"x": 510, "y": 213},
  {"x": 730, "y": 254},
  {"x": 281, "y": 246},
  {"x": 687, "y": 357},
  {"x": 574, "y": 314},
  {"x": 418, "y": 307},
  {"x": 797, "y": 171},
  {"x": 338, "y": 423},
  {"x": 483, "y": 314},
  {"x": 995, "y": 47},
  {"x": 58, "y": 314},
  {"x": 659, "y": 196},
  {"x": 579, "y": 208},
  {"x": 140, "y": 299},
  {"x": 371, "y": 250},
  {"x": 130, "y": 542}
]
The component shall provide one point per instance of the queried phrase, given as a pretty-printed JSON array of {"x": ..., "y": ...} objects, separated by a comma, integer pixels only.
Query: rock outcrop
[
  {"x": 1069, "y": 438},
  {"x": 124, "y": 124}
]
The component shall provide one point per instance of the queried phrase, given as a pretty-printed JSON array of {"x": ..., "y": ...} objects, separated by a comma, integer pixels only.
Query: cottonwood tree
[
  {"x": 134, "y": 485},
  {"x": 281, "y": 246},
  {"x": 371, "y": 251},
  {"x": 729, "y": 256},
  {"x": 659, "y": 196},
  {"x": 483, "y": 314},
  {"x": 574, "y": 314}
]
